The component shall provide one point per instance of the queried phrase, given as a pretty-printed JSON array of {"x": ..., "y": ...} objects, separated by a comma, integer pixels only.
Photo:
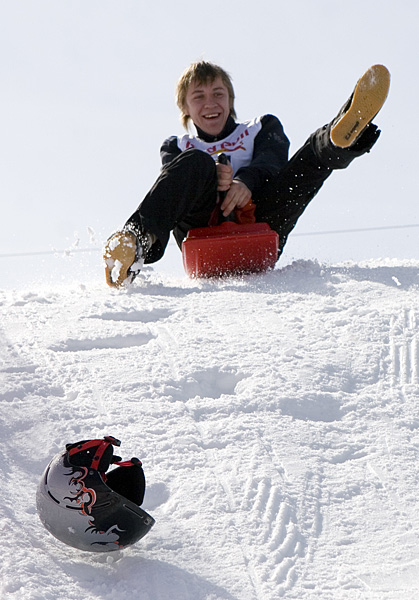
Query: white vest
[{"x": 238, "y": 145}]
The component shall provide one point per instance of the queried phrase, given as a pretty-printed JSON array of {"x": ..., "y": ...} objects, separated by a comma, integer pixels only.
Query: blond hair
[{"x": 201, "y": 72}]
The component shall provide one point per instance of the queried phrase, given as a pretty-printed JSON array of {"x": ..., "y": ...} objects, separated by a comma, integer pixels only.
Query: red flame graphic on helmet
[{"x": 85, "y": 497}]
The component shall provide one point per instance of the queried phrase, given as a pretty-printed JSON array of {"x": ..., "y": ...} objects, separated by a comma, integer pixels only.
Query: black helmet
[{"x": 83, "y": 507}]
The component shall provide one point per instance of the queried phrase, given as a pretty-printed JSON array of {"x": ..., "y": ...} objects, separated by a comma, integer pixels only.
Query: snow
[{"x": 276, "y": 417}]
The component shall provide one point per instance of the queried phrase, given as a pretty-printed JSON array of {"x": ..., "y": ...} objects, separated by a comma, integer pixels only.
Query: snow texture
[{"x": 276, "y": 416}]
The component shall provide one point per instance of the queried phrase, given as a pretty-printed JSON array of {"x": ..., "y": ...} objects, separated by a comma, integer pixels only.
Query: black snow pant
[{"x": 185, "y": 193}]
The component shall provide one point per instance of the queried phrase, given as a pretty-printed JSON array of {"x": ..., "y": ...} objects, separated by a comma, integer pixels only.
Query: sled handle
[{"x": 223, "y": 159}]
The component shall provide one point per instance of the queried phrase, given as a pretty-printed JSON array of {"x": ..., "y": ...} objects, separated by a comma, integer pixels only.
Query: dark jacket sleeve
[
  {"x": 270, "y": 154},
  {"x": 169, "y": 150}
]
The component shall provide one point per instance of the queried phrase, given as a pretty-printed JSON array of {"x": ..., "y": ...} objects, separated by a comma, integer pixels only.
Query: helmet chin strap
[{"x": 129, "y": 463}]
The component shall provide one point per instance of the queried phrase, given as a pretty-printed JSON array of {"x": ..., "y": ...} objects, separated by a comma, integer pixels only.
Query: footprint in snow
[
  {"x": 318, "y": 407},
  {"x": 109, "y": 343},
  {"x": 134, "y": 316},
  {"x": 208, "y": 383}
]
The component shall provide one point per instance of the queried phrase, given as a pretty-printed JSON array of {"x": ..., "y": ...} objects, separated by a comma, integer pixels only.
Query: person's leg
[
  {"x": 282, "y": 201},
  {"x": 183, "y": 196},
  {"x": 185, "y": 191}
]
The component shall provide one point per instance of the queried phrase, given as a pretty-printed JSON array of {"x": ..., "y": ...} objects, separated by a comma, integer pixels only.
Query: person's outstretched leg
[
  {"x": 183, "y": 196},
  {"x": 283, "y": 200}
]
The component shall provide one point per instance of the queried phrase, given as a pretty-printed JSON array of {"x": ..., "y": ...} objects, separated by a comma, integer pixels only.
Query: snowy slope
[{"x": 276, "y": 417}]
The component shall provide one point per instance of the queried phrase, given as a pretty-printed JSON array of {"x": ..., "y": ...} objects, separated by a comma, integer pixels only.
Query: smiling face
[{"x": 208, "y": 105}]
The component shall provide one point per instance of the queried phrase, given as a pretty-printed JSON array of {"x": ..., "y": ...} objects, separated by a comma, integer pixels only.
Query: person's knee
[{"x": 199, "y": 159}]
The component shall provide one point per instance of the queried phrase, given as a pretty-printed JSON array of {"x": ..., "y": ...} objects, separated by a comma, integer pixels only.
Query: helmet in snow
[{"x": 85, "y": 507}]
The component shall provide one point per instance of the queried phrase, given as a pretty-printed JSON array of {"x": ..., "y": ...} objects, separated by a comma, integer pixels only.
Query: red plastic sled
[{"x": 229, "y": 248}]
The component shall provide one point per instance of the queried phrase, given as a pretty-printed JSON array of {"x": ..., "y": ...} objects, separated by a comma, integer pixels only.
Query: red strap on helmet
[{"x": 101, "y": 447}]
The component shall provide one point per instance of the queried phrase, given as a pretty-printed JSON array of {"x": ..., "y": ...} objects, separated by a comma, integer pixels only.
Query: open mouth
[{"x": 212, "y": 116}]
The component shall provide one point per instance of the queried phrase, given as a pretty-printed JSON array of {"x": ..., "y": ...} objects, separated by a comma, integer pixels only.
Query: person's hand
[
  {"x": 237, "y": 197},
  {"x": 224, "y": 176}
]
